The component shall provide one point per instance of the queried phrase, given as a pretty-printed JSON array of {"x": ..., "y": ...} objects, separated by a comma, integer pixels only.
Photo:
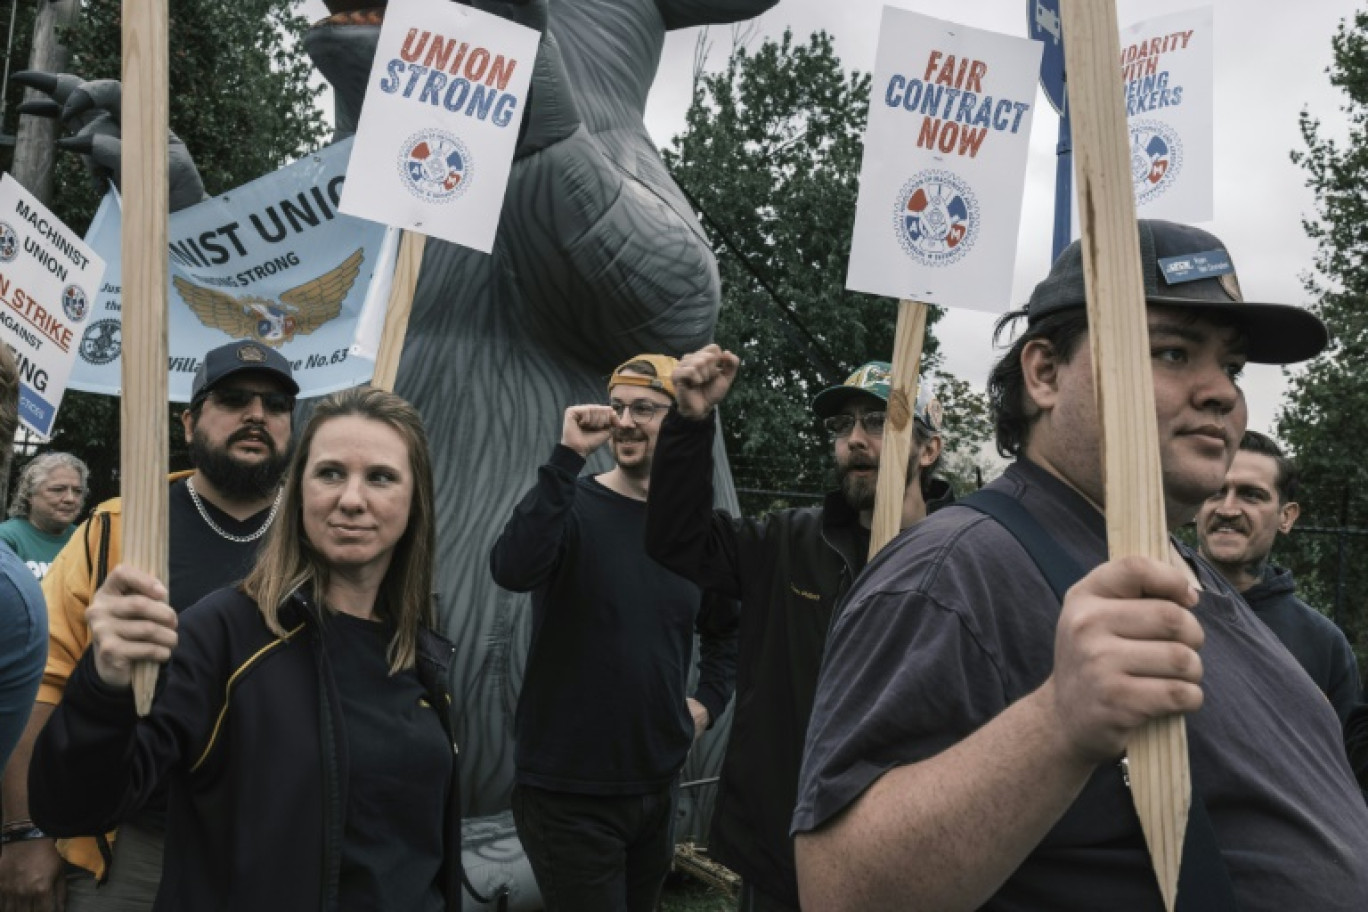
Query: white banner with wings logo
[{"x": 272, "y": 261}]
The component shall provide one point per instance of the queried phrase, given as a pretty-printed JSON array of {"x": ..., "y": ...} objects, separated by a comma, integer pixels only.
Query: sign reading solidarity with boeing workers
[
  {"x": 48, "y": 278},
  {"x": 1166, "y": 65},
  {"x": 435, "y": 141},
  {"x": 273, "y": 261},
  {"x": 944, "y": 163}
]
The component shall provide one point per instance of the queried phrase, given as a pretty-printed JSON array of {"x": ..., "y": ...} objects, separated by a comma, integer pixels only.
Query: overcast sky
[{"x": 1270, "y": 63}]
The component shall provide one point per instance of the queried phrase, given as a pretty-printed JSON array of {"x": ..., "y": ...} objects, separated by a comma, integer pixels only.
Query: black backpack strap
[
  {"x": 1061, "y": 571},
  {"x": 1203, "y": 882}
]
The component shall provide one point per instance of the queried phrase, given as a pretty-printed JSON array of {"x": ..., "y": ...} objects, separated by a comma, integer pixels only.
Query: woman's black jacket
[{"x": 247, "y": 731}]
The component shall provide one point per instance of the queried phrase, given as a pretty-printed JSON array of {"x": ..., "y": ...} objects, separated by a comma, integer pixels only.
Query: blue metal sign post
[{"x": 1043, "y": 21}]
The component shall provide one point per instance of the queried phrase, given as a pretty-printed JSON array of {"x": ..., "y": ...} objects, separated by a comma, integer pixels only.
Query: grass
[{"x": 683, "y": 893}]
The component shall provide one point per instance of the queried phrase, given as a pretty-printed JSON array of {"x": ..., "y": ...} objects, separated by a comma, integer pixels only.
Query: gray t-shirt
[{"x": 952, "y": 623}]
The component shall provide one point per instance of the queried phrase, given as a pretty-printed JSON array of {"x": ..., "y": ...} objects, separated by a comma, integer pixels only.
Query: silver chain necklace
[{"x": 240, "y": 539}]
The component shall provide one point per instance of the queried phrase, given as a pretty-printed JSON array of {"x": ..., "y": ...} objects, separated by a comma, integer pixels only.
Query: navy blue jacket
[
  {"x": 1314, "y": 640},
  {"x": 247, "y": 730}
]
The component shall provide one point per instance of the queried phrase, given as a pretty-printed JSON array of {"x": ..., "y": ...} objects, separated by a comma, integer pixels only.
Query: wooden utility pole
[{"x": 34, "y": 147}]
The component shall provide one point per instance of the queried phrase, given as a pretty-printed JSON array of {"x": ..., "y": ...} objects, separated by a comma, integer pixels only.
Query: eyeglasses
[
  {"x": 643, "y": 411},
  {"x": 235, "y": 398},
  {"x": 842, "y": 425}
]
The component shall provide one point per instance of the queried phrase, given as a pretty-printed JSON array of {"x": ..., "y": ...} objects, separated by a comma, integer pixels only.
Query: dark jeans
[
  {"x": 596, "y": 853},
  {"x": 755, "y": 901},
  {"x": 752, "y": 900}
]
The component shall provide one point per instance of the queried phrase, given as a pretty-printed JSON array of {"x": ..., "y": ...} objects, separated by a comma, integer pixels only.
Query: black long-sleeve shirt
[{"x": 602, "y": 709}]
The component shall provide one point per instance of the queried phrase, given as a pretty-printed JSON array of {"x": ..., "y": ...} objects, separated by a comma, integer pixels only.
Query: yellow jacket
[{"x": 94, "y": 549}]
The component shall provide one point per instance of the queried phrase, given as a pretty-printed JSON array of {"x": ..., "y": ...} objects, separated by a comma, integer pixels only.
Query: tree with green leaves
[
  {"x": 771, "y": 158},
  {"x": 1325, "y": 419},
  {"x": 967, "y": 458},
  {"x": 242, "y": 101}
]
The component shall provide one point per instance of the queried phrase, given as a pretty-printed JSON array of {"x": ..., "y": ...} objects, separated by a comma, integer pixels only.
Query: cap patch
[
  {"x": 251, "y": 354},
  {"x": 1193, "y": 266},
  {"x": 1231, "y": 286}
]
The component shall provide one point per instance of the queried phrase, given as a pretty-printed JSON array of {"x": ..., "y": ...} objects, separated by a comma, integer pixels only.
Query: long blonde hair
[{"x": 287, "y": 561}]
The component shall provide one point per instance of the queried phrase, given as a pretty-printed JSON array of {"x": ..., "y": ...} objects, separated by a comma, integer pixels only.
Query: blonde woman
[{"x": 303, "y": 723}]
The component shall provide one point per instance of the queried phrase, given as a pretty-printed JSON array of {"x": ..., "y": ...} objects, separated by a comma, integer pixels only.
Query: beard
[
  {"x": 640, "y": 466},
  {"x": 858, "y": 490},
  {"x": 234, "y": 479}
]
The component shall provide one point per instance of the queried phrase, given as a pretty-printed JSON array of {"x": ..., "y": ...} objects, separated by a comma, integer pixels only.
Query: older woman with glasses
[{"x": 303, "y": 723}]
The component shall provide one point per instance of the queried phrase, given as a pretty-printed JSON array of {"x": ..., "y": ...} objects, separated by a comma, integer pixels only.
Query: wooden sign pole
[
  {"x": 143, "y": 456},
  {"x": 397, "y": 312},
  {"x": 897, "y": 436},
  {"x": 1136, "y": 524}
]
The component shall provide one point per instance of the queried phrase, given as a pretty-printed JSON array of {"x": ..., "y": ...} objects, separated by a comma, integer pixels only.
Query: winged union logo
[{"x": 300, "y": 311}]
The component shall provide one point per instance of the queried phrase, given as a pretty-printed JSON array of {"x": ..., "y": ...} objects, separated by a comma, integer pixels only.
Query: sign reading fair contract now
[
  {"x": 48, "y": 279},
  {"x": 944, "y": 163},
  {"x": 434, "y": 145}
]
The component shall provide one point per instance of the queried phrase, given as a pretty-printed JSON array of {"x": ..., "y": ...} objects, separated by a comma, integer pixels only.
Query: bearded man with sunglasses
[
  {"x": 789, "y": 569},
  {"x": 603, "y": 723},
  {"x": 238, "y": 430}
]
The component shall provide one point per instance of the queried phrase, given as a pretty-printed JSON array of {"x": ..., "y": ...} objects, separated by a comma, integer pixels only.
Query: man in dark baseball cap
[
  {"x": 790, "y": 569},
  {"x": 1188, "y": 268},
  {"x": 987, "y": 672},
  {"x": 238, "y": 358}
]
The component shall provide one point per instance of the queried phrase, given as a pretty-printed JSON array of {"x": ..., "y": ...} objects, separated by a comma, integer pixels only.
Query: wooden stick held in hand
[
  {"x": 143, "y": 456},
  {"x": 897, "y": 436},
  {"x": 1136, "y": 522}
]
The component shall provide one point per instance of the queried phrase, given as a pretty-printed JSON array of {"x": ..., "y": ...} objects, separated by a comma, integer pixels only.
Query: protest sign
[
  {"x": 435, "y": 140},
  {"x": 272, "y": 261},
  {"x": 944, "y": 163},
  {"x": 48, "y": 278},
  {"x": 1166, "y": 66}
]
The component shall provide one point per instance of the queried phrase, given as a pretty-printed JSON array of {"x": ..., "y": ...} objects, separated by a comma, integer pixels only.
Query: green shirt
[{"x": 35, "y": 547}]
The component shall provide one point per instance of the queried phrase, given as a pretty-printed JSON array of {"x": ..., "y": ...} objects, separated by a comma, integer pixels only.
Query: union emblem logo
[
  {"x": 9, "y": 243},
  {"x": 75, "y": 304},
  {"x": 936, "y": 218},
  {"x": 300, "y": 311},
  {"x": 1156, "y": 158},
  {"x": 435, "y": 166}
]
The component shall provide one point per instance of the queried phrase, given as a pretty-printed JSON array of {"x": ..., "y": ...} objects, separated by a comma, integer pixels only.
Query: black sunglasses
[{"x": 235, "y": 398}]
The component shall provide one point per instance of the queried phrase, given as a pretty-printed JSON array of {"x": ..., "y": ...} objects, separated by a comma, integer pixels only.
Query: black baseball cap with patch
[
  {"x": 238, "y": 358},
  {"x": 1188, "y": 267}
]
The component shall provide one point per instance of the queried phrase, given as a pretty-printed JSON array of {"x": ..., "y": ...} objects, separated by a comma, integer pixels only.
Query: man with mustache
[
  {"x": 238, "y": 429},
  {"x": 985, "y": 675},
  {"x": 1236, "y": 528},
  {"x": 789, "y": 569},
  {"x": 603, "y": 722}
]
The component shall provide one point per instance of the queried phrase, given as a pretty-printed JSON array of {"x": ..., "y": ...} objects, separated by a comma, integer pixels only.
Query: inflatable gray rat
[{"x": 598, "y": 258}]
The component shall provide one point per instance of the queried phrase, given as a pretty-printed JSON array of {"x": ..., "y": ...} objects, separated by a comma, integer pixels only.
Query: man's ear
[
  {"x": 1040, "y": 373},
  {"x": 188, "y": 424},
  {"x": 1287, "y": 516},
  {"x": 930, "y": 452}
]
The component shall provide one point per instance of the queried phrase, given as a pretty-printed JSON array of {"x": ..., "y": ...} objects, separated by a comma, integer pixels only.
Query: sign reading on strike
[
  {"x": 48, "y": 279},
  {"x": 435, "y": 141},
  {"x": 944, "y": 163}
]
